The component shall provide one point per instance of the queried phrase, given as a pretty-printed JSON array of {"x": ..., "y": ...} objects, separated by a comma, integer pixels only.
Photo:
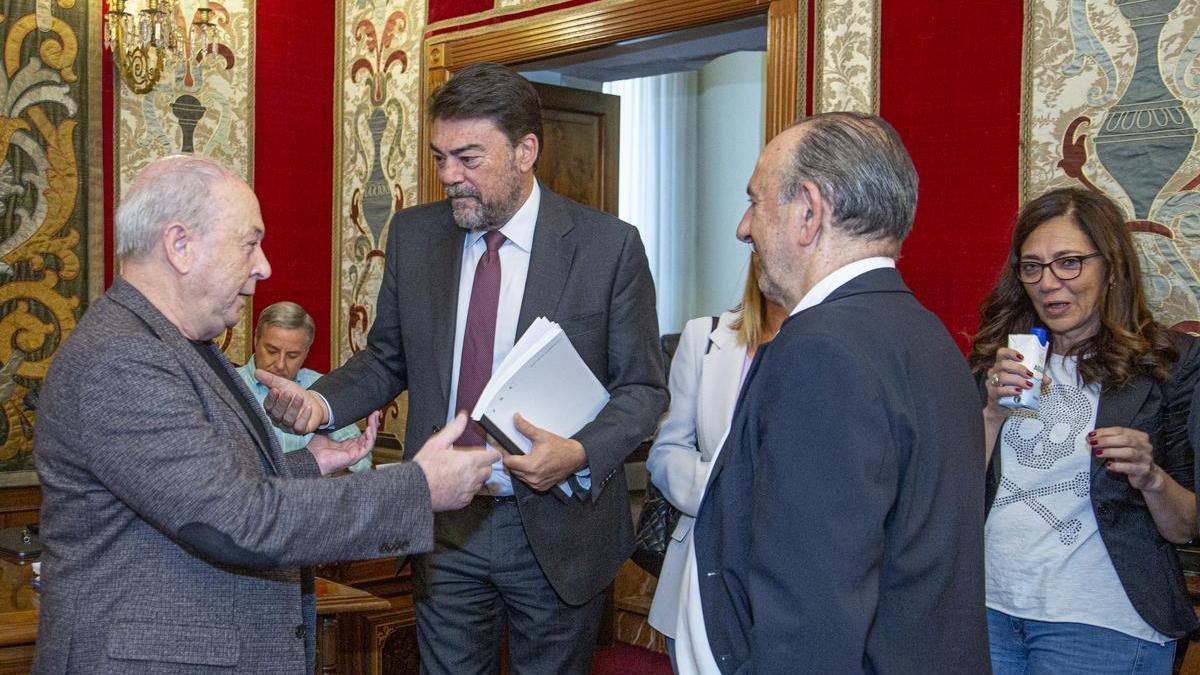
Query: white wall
[
  {"x": 714, "y": 161},
  {"x": 731, "y": 121}
]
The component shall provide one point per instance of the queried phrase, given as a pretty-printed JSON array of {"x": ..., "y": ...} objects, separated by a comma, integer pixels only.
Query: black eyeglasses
[{"x": 1065, "y": 268}]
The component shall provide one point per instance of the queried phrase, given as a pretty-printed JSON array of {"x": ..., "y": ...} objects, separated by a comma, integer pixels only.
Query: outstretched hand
[
  {"x": 334, "y": 455},
  {"x": 291, "y": 407},
  {"x": 454, "y": 475}
]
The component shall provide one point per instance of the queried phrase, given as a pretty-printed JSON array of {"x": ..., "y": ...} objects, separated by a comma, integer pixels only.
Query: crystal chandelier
[{"x": 143, "y": 41}]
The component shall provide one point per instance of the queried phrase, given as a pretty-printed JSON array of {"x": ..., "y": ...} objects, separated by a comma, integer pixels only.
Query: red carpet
[{"x": 625, "y": 659}]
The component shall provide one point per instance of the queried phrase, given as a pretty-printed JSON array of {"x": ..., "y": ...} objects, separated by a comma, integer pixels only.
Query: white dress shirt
[
  {"x": 514, "y": 268},
  {"x": 838, "y": 278}
]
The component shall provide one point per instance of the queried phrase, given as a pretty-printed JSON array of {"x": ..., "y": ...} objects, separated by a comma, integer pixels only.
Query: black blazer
[
  {"x": 841, "y": 530},
  {"x": 1146, "y": 564},
  {"x": 588, "y": 272}
]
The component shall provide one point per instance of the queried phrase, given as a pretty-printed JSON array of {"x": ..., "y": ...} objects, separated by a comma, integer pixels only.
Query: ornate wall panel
[
  {"x": 846, "y": 55},
  {"x": 375, "y": 158},
  {"x": 1111, "y": 95},
  {"x": 50, "y": 265},
  {"x": 206, "y": 108}
]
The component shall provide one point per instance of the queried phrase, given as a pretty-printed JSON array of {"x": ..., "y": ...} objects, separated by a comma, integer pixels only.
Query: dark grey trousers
[{"x": 482, "y": 576}]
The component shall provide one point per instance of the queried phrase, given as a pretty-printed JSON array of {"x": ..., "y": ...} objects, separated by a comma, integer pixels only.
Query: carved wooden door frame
[{"x": 603, "y": 23}]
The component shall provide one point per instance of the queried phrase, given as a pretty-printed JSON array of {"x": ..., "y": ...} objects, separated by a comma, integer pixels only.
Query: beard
[{"x": 472, "y": 212}]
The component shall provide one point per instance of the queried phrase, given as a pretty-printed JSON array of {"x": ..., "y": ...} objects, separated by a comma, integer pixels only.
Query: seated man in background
[{"x": 281, "y": 341}]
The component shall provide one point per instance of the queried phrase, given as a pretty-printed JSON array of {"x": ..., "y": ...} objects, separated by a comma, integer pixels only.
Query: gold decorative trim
[
  {"x": 1027, "y": 38},
  {"x": 876, "y": 41},
  {"x": 339, "y": 109},
  {"x": 802, "y": 36},
  {"x": 517, "y": 23},
  {"x": 500, "y": 12},
  {"x": 95, "y": 150},
  {"x": 252, "y": 65},
  {"x": 583, "y": 27}
]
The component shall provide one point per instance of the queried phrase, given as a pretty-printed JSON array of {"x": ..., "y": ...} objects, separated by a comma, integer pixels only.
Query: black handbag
[
  {"x": 654, "y": 528},
  {"x": 658, "y": 518}
]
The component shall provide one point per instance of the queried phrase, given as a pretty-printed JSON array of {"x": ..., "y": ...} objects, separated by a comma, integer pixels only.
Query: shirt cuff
[{"x": 328, "y": 413}]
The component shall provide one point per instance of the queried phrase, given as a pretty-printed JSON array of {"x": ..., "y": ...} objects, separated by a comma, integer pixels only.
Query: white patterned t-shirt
[{"x": 1045, "y": 559}]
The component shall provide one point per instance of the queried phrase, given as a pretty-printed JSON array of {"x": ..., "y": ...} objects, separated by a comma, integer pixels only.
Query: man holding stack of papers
[{"x": 464, "y": 279}]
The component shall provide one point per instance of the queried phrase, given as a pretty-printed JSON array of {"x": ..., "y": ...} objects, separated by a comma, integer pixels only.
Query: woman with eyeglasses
[{"x": 1087, "y": 495}]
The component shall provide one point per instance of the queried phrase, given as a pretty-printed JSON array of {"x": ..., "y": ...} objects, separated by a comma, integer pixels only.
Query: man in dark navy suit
[{"x": 842, "y": 527}]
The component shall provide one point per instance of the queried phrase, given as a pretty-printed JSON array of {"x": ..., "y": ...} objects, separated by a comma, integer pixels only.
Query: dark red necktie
[{"x": 479, "y": 339}]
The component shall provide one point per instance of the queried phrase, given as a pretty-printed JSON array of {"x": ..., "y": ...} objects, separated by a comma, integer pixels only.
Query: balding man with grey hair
[
  {"x": 842, "y": 527},
  {"x": 282, "y": 338},
  {"x": 175, "y": 531}
]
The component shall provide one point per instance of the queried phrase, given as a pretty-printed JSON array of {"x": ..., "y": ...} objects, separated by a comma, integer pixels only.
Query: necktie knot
[{"x": 494, "y": 240}]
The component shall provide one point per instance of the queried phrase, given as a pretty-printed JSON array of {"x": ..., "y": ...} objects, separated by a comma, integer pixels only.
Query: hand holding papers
[
  {"x": 554, "y": 459},
  {"x": 544, "y": 379}
]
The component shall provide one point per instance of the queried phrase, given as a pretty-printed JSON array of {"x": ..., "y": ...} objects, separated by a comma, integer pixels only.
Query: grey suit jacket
[
  {"x": 588, "y": 272},
  {"x": 173, "y": 533},
  {"x": 842, "y": 527}
]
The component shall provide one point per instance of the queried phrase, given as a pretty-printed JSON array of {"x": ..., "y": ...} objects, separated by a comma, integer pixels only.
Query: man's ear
[
  {"x": 810, "y": 210},
  {"x": 527, "y": 150},
  {"x": 179, "y": 246}
]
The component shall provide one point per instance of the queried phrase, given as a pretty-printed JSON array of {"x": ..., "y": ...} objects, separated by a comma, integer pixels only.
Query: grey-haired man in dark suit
[
  {"x": 175, "y": 530},
  {"x": 841, "y": 530},
  {"x": 464, "y": 279}
]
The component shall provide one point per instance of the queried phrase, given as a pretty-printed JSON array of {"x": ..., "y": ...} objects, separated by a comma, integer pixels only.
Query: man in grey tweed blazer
[{"x": 175, "y": 530}]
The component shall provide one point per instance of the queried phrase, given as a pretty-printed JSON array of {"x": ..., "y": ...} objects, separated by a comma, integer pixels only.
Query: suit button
[{"x": 300, "y": 631}]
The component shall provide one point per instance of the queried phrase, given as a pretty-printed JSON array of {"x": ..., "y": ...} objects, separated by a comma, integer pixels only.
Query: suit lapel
[
  {"x": 443, "y": 270},
  {"x": 549, "y": 262},
  {"x": 1118, "y": 407},
  {"x": 268, "y": 447},
  {"x": 132, "y": 299}
]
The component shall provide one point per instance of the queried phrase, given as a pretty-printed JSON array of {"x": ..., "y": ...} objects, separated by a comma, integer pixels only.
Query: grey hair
[
  {"x": 861, "y": 167},
  {"x": 175, "y": 189},
  {"x": 286, "y": 315}
]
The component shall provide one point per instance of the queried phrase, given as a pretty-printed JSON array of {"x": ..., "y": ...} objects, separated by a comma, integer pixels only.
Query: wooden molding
[{"x": 603, "y": 23}]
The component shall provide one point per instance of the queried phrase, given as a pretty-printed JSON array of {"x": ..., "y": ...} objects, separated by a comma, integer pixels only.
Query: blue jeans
[{"x": 1028, "y": 647}]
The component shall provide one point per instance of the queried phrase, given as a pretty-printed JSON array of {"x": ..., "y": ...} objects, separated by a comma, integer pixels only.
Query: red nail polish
[
  {"x": 1020, "y": 358},
  {"x": 1097, "y": 452},
  {"x": 1093, "y": 441},
  {"x": 1091, "y": 434},
  {"x": 1029, "y": 383}
]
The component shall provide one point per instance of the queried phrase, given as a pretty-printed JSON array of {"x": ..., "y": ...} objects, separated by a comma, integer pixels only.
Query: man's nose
[
  {"x": 450, "y": 173},
  {"x": 262, "y": 268},
  {"x": 743, "y": 229}
]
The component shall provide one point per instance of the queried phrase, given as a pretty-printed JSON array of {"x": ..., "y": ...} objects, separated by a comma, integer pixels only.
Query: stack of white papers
[{"x": 545, "y": 380}]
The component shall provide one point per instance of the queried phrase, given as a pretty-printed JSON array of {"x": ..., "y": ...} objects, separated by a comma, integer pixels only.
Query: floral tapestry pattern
[
  {"x": 1111, "y": 99},
  {"x": 49, "y": 267},
  {"x": 379, "y": 97},
  {"x": 206, "y": 108},
  {"x": 846, "y": 55}
]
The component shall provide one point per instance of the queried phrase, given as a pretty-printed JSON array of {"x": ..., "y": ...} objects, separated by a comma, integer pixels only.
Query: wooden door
[{"x": 580, "y": 145}]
